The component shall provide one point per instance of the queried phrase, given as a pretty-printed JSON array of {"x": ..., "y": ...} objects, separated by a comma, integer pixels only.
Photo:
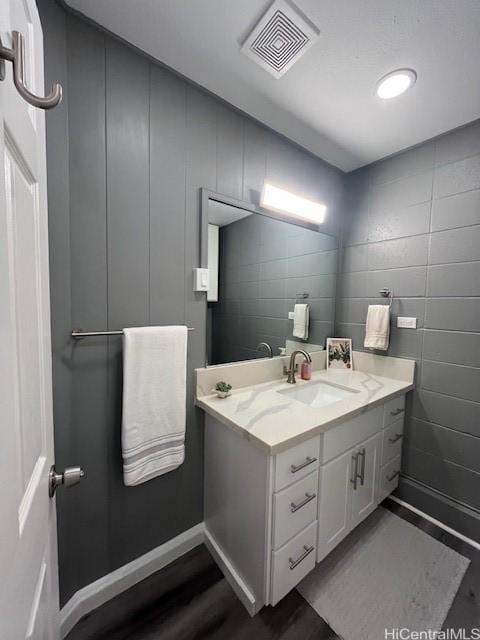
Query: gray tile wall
[
  {"x": 412, "y": 224},
  {"x": 264, "y": 263},
  {"x": 128, "y": 151}
]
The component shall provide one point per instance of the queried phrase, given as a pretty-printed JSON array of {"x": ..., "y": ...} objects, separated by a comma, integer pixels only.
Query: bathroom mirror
[{"x": 260, "y": 266}]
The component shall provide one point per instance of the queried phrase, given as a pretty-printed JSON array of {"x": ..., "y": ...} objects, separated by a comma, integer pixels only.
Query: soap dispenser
[{"x": 306, "y": 370}]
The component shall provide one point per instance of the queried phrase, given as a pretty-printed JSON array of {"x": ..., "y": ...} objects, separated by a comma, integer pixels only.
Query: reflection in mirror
[{"x": 260, "y": 267}]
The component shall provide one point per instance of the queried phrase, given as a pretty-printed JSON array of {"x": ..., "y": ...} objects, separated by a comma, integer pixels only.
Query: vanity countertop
[{"x": 275, "y": 421}]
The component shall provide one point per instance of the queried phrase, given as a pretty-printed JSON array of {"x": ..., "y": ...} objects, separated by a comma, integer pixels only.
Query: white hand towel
[
  {"x": 301, "y": 321},
  {"x": 154, "y": 401},
  {"x": 377, "y": 331}
]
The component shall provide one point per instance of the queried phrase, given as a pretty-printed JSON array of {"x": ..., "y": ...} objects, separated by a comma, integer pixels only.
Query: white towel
[
  {"x": 154, "y": 401},
  {"x": 300, "y": 321},
  {"x": 377, "y": 331}
]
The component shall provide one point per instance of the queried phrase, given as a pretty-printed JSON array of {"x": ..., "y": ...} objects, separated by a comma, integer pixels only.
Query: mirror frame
[{"x": 208, "y": 194}]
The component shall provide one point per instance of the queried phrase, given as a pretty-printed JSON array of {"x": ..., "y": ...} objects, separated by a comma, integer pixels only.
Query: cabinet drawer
[
  {"x": 296, "y": 463},
  {"x": 350, "y": 433},
  {"x": 294, "y": 508},
  {"x": 393, "y": 410},
  {"x": 389, "y": 475},
  {"x": 292, "y": 562},
  {"x": 392, "y": 441}
]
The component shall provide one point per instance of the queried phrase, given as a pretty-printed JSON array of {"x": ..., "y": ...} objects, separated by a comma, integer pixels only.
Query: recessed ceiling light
[
  {"x": 284, "y": 201},
  {"x": 395, "y": 83}
]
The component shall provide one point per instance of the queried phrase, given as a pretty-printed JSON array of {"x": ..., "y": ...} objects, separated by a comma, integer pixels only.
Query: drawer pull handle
[
  {"x": 306, "y": 551},
  {"x": 396, "y": 438},
  {"x": 294, "y": 468},
  {"x": 393, "y": 476},
  {"x": 362, "y": 453},
  {"x": 395, "y": 412},
  {"x": 308, "y": 498}
]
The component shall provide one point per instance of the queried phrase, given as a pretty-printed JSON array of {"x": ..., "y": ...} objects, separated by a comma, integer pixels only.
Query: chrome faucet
[
  {"x": 291, "y": 371},
  {"x": 269, "y": 348}
]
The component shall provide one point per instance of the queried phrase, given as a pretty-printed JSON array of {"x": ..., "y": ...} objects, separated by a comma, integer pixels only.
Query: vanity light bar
[{"x": 280, "y": 200}]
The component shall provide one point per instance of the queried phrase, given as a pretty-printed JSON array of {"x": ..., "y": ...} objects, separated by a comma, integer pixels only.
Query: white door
[
  {"x": 368, "y": 466},
  {"x": 28, "y": 556},
  {"x": 334, "y": 511}
]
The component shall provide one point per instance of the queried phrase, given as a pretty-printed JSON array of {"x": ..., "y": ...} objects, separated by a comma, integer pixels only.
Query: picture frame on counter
[{"x": 339, "y": 353}]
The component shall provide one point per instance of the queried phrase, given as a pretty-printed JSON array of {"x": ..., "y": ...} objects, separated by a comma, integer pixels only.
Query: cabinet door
[
  {"x": 368, "y": 466},
  {"x": 334, "y": 521}
]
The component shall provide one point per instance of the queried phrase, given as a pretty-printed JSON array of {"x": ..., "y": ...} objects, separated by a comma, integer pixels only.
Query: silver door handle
[
  {"x": 354, "y": 476},
  {"x": 16, "y": 55},
  {"x": 308, "y": 460},
  {"x": 70, "y": 477},
  {"x": 395, "y": 412},
  {"x": 393, "y": 476},
  {"x": 308, "y": 498},
  {"x": 306, "y": 551},
  {"x": 396, "y": 438},
  {"x": 362, "y": 453}
]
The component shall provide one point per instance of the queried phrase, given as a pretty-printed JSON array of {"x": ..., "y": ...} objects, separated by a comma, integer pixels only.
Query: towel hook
[
  {"x": 16, "y": 55},
  {"x": 386, "y": 293}
]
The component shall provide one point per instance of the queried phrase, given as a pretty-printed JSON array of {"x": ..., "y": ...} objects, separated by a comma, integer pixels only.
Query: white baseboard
[
  {"x": 445, "y": 527},
  {"x": 233, "y": 578},
  {"x": 98, "y": 592}
]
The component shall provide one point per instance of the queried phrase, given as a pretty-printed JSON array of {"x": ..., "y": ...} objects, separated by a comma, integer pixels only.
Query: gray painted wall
[
  {"x": 128, "y": 150},
  {"x": 413, "y": 224},
  {"x": 264, "y": 263}
]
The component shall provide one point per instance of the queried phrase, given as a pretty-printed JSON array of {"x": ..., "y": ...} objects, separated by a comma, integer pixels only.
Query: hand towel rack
[
  {"x": 78, "y": 334},
  {"x": 386, "y": 293}
]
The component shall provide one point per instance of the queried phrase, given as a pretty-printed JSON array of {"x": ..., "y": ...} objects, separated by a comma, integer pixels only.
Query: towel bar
[{"x": 78, "y": 334}]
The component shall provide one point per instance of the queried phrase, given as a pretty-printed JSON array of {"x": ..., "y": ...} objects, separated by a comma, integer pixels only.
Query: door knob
[{"x": 71, "y": 476}]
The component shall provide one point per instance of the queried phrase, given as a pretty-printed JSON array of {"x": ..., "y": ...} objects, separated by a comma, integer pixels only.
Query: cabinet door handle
[
  {"x": 308, "y": 497},
  {"x": 294, "y": 468},
  {"x": 354, "y": 476},
  {"x": 395, "y": 412},
  {"x": 362, "y": 453},
  {"x": 306, "y": 551},
  {"x": 396, "y": 438},
  {"x": 393, "y": 476}
]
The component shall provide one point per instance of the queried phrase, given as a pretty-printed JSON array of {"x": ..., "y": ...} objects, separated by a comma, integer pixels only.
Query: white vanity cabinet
[
  {"x": 394, "y": 413},
  {"x": 348, "y": 492},
  {"x": 270, "y": 518}
]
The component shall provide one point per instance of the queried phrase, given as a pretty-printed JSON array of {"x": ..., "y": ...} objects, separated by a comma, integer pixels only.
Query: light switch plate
[
  {"x": 291, "y": 315},
  {"x": 406, "y": 323},
  {"x": 201, "y": 279}
]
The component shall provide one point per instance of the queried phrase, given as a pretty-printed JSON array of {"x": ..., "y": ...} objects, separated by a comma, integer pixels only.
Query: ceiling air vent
[{"x": 281, "y": 37}]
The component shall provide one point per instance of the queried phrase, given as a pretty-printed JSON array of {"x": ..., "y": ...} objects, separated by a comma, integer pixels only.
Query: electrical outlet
[{"x": 406, "y": 323}]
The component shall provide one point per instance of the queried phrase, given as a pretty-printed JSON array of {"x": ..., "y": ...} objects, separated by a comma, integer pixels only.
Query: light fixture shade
[
  {"x": 286, "y": 202},
  {"x": 395, "y": 83}
]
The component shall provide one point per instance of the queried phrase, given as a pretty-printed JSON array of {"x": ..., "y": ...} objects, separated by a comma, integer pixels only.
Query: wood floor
[{"x": 191, "y": 600}]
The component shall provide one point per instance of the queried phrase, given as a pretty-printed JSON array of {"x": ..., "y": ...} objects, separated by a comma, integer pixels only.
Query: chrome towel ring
[{"x": 386, "y": 293}]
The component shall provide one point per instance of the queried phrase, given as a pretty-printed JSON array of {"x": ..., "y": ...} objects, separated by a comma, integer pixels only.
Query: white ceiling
[{"x": 326, "y": 102}]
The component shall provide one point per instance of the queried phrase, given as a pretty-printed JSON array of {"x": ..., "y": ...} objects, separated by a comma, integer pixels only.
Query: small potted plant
[{"x": 222, "y": 389}]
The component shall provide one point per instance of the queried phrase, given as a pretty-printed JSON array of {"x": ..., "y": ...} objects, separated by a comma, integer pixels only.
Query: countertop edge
[
  {"x": 309, "y": 433},
  {"x": 240, "y": 431}
]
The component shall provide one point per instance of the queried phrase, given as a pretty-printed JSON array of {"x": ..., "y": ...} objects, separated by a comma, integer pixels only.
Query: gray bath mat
[{"x": 387, "y": 574}]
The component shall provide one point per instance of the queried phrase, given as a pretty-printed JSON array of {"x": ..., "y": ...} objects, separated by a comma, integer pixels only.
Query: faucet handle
[{"x": 286, "y": 371}]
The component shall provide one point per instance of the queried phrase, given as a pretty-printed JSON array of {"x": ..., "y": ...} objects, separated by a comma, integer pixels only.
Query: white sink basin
[{"x": 318, "y": 394}]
